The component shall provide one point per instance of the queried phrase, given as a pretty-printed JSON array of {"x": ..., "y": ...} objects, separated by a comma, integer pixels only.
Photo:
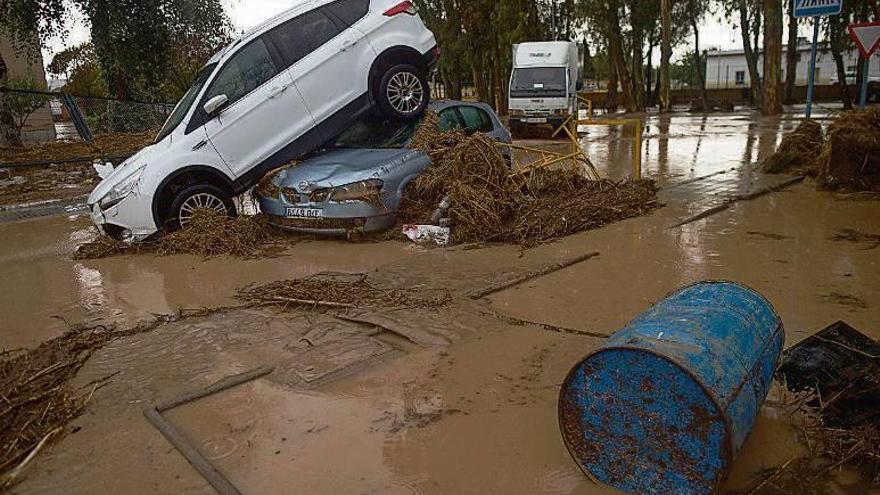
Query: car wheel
[
  {"x": 403, "y": 93},
  {"x": 197, "y": 197}
]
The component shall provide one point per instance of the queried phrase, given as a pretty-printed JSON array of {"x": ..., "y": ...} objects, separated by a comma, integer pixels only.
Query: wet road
[{"x": 473, "y": 410}]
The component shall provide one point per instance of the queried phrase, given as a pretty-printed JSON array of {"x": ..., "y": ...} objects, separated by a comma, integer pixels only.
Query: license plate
[
  {"x": 535, "y": 120},
  {"x": 304, "y": 213}
]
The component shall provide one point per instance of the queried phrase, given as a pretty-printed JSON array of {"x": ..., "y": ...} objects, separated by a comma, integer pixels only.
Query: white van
[
  {"x": 544, "y": 83},
  {"x": 270, "y": 97}
]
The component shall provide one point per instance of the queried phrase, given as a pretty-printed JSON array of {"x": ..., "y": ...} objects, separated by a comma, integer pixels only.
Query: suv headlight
[
  {"x": 122, "y": 189},
  {"x": 362, "y": 190}
]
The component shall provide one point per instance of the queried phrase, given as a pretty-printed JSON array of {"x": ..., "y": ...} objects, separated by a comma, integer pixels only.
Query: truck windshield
[
  {"x": 538, "y": 81},
  {"x": 186, "y": 102}
]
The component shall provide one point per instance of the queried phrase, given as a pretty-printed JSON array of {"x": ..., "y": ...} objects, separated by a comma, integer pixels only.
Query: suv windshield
[
  {"x": 186, "y": 102},
  {"x": 375, "y": 132},
  {"x": 543, "y": 81}
]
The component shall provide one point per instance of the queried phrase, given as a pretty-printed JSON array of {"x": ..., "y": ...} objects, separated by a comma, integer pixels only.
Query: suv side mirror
[{"x": 214, "y": 105}]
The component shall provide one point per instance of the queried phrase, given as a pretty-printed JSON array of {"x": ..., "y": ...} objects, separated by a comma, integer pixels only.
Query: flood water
[{"x": 468, "y": 406}]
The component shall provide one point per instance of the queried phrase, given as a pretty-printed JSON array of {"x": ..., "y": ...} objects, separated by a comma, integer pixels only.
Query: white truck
[{"x": 544, "y": 83}]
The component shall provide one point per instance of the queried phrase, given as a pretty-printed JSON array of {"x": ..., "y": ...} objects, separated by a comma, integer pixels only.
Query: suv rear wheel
[
  {"x": 403, "y": 92},
  {"x": 199, "y": 196}
]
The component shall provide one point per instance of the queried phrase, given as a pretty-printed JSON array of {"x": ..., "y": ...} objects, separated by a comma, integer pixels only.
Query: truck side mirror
[
  {"x": 214, "y": 105},
  {"x": 579, "y": 86}
]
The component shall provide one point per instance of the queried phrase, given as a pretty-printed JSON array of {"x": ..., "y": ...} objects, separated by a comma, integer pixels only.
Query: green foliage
[
  {"x": 146, "y": 49},
  {"x": 684, "y": 71},
  {"x": 149, "y": 49},
  {"x": 79, "y": 65},
  {"x": 24, "y": 18},
  {"x": 23, "y": 104}
]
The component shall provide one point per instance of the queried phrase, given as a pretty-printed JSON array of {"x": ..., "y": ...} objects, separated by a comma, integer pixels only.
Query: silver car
[{"x": 355, "y": 185}]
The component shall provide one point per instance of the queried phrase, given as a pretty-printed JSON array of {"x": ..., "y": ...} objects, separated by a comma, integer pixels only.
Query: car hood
[
  {"x": 340, "y": 167},
  {"x": 139, "y": 159}
]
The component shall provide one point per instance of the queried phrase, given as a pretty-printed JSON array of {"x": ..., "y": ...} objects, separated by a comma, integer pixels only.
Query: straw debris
[
  {"x": 850, "y": 157},
  {"x": 104, "y": 145},
  {"x": 334, "y": 293},
  {"x": 797, "y": 151},
  {"x": 36, "y": 402},
  {"x": 209, "y": 234},
  {"x": 829, "y": 449},
  {"x": 491, "y": 204}
]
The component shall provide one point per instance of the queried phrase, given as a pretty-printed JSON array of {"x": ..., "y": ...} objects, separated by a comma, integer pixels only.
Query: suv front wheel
[
  {"x": 199, "y": 196},
  {"x": 403, "y": 92}
]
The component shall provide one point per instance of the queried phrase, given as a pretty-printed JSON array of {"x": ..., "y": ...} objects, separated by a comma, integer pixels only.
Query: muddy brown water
[{"x": 452, "y": 401}]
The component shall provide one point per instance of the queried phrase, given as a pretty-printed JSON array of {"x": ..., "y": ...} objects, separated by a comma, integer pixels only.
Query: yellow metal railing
[{"x": 576, "y": 151}]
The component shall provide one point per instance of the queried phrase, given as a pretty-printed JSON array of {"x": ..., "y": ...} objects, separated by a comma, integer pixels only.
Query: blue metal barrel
[{"x": 664, "y": 406}]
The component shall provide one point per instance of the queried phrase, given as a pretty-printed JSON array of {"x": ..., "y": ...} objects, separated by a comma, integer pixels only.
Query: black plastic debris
[{"x": 843, "y": 366}]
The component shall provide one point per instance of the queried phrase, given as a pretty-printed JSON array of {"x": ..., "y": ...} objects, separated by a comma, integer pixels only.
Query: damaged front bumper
[
  {"x": 328, "y": 218},
  {"x": 122, "y": 223}
]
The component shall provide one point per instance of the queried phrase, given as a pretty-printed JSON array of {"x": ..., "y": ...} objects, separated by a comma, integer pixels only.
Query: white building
[{"x": 728, "y": 68}]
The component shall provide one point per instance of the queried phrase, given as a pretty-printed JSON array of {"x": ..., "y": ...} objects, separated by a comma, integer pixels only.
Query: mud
[
  {"x": 51, "y": 182},
  {"x": 442, "y": 400}
]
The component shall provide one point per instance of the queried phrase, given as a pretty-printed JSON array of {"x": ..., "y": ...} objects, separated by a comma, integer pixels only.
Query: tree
[
  {"x": 665, "y": 54},
  {"x": 772, "y": 104},
  {"x": 8, "y": 135},
  {"x": 835, "y": 27},
  {"x": 747, "y": 14},
  {"x": 140, "y": 45},
  {"x": 79, "y": 66},
  {"x": 697, "y": 10},
  {"x": 26, "y": 98},
  {"x": 615, "y": 52},
  {"x": 791, "y": 58}
]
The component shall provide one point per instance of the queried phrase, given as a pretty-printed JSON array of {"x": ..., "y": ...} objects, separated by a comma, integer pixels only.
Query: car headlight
[
  {"x": 122, "y": 189},
  {"x": 362, "y": 190}
]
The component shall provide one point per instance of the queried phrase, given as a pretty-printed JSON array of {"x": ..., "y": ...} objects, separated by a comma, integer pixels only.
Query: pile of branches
[
  {"x": 850, "y": 157},
  {"x": 324, "y": 292},
  {"x": 564, "y": 202},
  {"x": 833, "y": 441},
  {"x": 37, "y": 402},
  {"x": 489, "y": 203},
  {"x": 797, "y": 151},
  {"x": 209, "y": 233},
  {"x": 847, "y": 158}
]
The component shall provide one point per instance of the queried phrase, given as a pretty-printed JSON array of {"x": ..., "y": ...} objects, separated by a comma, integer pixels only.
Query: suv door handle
[
  {"x": 347, "y": 44},
  {"x": 277, "y": 90}
]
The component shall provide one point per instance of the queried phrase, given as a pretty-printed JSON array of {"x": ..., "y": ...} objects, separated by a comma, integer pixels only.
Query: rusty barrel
[{"x": 664, "y": 406}]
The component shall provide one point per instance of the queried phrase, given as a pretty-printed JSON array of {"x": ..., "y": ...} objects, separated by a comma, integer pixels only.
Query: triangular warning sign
[{"x": 866, "y": 36}]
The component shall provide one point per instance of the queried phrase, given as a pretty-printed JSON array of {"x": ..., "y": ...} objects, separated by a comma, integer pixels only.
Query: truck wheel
[
  {"x": 199, "y": 196},
  {"x": 403, "y": 93}
]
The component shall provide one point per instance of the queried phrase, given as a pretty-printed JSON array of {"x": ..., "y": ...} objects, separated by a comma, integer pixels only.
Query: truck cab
[{"x": 544, "y": 83}]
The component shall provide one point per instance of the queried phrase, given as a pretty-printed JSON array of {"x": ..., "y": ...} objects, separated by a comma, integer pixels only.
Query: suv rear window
[
  {"x": 349, "y": 11},
  {"x": 301, "y": 36}
]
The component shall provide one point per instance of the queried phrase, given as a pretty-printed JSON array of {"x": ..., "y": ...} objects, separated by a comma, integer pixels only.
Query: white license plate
[
  {"x": 304, "y": 213},
  {"x": 535, "y": 120}
]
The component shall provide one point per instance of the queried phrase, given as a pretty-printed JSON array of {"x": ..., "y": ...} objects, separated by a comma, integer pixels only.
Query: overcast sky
[{"x": 246, "y": 14}]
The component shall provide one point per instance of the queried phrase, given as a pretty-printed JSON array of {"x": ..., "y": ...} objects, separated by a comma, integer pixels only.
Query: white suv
[{"x": 277, "y": 93}]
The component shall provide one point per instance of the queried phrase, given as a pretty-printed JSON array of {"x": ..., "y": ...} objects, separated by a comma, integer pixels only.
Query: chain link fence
[{"x": 83, "y": 117}]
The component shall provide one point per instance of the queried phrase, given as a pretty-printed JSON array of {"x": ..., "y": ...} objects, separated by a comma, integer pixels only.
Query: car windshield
[
  {"x": 375, "y": 132},
  {"x": 538, "y": 80},
  {"x": 186, "y": 102}
]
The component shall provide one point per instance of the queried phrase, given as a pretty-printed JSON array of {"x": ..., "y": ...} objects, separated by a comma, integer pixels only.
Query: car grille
[{"x": 318, "y": 223}]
